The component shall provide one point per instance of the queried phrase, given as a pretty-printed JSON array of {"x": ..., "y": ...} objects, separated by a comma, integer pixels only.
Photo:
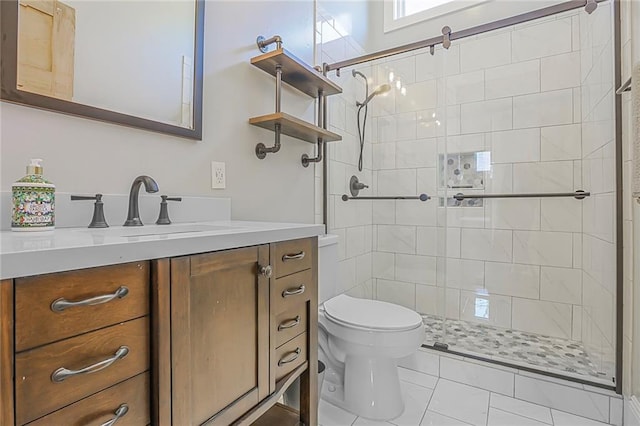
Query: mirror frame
[{"x": 10, "y": 93}]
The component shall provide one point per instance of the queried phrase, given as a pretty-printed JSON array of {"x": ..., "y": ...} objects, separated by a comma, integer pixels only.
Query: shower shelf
[
  {"x": 294, "y": 127},
  {"x": 296, "y": 73},
  {"x": 286, "y": 68}
]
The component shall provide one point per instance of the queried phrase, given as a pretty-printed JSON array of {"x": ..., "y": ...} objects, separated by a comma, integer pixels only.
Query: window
[{"x": 401, "y": 13}]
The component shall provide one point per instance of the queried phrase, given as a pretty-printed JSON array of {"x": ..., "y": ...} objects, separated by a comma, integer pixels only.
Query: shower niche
[{"x": 463, "y": 171}]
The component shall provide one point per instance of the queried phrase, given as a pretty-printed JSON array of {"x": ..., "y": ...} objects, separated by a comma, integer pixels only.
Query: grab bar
[
  {"x": 421, "y": 197},
  {"x": 578, "y": 195}
]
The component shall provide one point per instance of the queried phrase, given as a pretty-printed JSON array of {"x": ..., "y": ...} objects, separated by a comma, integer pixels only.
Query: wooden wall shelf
[
  {"x": 296, "y": 73},
  {"x": 294, "y": 127}
]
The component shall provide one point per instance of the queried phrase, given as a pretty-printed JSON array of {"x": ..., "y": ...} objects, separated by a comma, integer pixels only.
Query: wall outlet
[{"x": 218, "y": 175}]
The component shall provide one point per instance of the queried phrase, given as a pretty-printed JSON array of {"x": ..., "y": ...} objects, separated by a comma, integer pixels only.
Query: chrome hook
[{"x": 446, "y": 37}]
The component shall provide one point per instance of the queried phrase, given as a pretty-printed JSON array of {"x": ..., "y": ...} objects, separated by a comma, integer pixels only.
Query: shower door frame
[{"x": 619, "y": 232}]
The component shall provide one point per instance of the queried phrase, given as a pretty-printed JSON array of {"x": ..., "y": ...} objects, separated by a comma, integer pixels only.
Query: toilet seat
[{"x": 371, "y": 315}]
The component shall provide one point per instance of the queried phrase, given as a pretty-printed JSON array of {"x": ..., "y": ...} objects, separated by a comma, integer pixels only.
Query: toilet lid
[{"x": 371, "y": 314}]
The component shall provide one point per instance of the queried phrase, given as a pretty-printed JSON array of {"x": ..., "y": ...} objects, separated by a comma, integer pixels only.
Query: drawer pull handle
[
  {"x": 294, "y": 355},
  {"x": 61, "y": 374},
  {"x": 122, "y": 411},
  {"x": 292, "y": 292},
  {"x": 298, "y": 256},
  {"x": 289, "y": 324},
  {"x": 62, "y": 303}
]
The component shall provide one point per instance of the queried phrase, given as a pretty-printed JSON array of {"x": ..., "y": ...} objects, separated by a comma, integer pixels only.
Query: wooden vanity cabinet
[
  {"x": 213, "y": 338},
  {"x": 242, "y": 329}
]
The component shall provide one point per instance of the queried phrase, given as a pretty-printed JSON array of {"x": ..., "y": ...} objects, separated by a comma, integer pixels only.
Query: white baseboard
[{"x": 632, "y": 411}]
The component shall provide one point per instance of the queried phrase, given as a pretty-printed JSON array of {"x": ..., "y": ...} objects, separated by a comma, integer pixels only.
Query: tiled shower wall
[
  {"x": 533, "y": 97},
  {"x": 598, "y": 158},
  {"x": 515, "y": 263},
  {"x": 351, "y": 221}
]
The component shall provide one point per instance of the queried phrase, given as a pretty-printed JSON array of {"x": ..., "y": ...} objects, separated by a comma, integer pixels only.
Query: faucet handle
[
  {"x": 163, "y": 218},
  {"x": 98, "y": 220}
]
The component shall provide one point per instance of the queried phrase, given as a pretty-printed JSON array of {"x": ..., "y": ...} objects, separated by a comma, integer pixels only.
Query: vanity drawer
[
  {"x": 290, "y": 323},
  {"x": 291, "y": 291},
  {"x": 36, "y": 392},
  {"x": 290, "y": 356},
  {"x": 293, "y": 256},
  {"x": 122, "y": 289},
  {"x": 101, "y": 407}
]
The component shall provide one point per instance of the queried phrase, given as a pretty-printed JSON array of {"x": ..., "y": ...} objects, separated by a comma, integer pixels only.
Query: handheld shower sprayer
[{"x": 383, "y": 88}]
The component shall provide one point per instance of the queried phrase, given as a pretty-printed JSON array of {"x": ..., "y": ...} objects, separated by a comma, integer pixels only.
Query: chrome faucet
[{"x": 133, "y": 215}]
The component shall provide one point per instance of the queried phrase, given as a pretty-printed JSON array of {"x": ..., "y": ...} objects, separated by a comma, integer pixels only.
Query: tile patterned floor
[
  {"x": 433, "y": 401},
  {"x": 521, "y": 348}
]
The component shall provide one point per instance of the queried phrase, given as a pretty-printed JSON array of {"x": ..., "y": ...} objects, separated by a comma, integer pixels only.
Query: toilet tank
[{"x": 327, "y": 267}]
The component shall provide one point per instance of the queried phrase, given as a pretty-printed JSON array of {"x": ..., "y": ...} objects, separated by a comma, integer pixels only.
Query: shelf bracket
[
  {"x": 264, "y": 43},
  {"x": 261, "y": 149},
  {"x": 306, "y": 159}
]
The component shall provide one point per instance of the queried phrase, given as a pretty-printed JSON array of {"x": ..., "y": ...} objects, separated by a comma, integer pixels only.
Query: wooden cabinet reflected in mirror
[{"x": 136, "y": 63}]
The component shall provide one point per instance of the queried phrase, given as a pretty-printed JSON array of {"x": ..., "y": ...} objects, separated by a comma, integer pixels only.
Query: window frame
[{"x": 391, "y": 23}]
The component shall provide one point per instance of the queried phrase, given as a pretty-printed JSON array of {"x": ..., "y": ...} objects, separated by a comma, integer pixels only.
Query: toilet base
[{"x": 371, "y": 386}]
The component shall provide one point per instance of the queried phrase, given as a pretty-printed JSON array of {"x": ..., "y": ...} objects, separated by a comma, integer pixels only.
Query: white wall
[{"x": 86, "y": 156}]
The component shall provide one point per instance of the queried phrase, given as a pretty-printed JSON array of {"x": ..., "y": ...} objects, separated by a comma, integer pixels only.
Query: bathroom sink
[{"x": 151, "y": 230}]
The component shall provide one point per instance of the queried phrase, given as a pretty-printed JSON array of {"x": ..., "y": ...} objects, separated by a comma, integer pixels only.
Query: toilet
[{"x": 360, "y": 342}]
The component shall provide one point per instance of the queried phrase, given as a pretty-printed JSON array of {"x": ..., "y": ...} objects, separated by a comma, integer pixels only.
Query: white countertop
[{"x": 33, "y": 253}]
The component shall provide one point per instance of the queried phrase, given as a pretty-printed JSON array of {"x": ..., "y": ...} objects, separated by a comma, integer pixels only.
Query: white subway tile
[
  {"x": 486, "y": 52},
  {"x": 512, "y": 80},
  {"x": 462, "y": 143},
  {"x": 427, "y": 182},
  {"x": 406, "y": 126},
  {"x": 419, "y": 96},
  {"x": 511, "y": 279},
  {"x": 403, "y": 69},
  {"x": 452, "y": 237},
  {"x": 413, "y": 154},
  {"x": 363, "y": 268},
  {"x": 560, "y": 71},
  {"x": 515, "y": 146},
  {"x": 412, "y": 212},
  {"x": 464, "y": 88},
  {"x": 355, "y": 241},
  {"x": 397, "y": 292},
  {"x": 561, "y": 214},
  {"x": 432, "y": 418},
  {"x": 427, "y": 241},
  {"x": 384, "y": 212},
  {"x": 561, "y": 285},
  {"x": 416, "y": 269},
  {"x": 463, "y": 274},
  {"x": 464, "y": 217},
  {"x": 483, "y": 377},
  {"x": 487, "y": 116},
  {"x": 546, "y": 318},
  {"x": 383, "y": 155},
  {"x": 546, "y": 39},
  {"x": 417, "y": 378},
  {"x": 383, "y": 265},
  {"x": 394, "y": 182},
  {"x": 347, "y": 275},
  {"x": 543, "y": 248},
  {"x": 437, "y": 301},
  {"x": 481, "y": 244},
  {"x": 561, "y": 142},
  {"x": 543, "y": 109},
  {"x": 520, "y": 213},
  {"x": 397, "y": 239},
  {"x": 500, "y": 178},
  {"x": 424, "y": 361},
  {"x": 556, "y": 176},
  {"x": 576, "y": 330},
  {"x": 479, "y": 307}
]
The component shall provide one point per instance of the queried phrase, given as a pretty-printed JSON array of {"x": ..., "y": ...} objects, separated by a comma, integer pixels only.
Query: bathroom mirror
[{"x": 136, "y": 63}]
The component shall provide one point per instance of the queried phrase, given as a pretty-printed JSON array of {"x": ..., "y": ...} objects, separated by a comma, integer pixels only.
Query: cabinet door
[{"x": 220, "y": 335}]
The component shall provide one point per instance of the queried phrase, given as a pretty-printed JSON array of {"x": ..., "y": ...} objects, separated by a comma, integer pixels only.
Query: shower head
[{"x": 383, "y": 88}]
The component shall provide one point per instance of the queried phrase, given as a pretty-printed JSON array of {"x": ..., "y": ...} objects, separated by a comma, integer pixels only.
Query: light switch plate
[{"x": 218, "y": 175}]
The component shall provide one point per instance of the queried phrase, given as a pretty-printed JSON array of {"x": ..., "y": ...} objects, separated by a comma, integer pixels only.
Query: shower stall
[{"x": 511, "y": 132}]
